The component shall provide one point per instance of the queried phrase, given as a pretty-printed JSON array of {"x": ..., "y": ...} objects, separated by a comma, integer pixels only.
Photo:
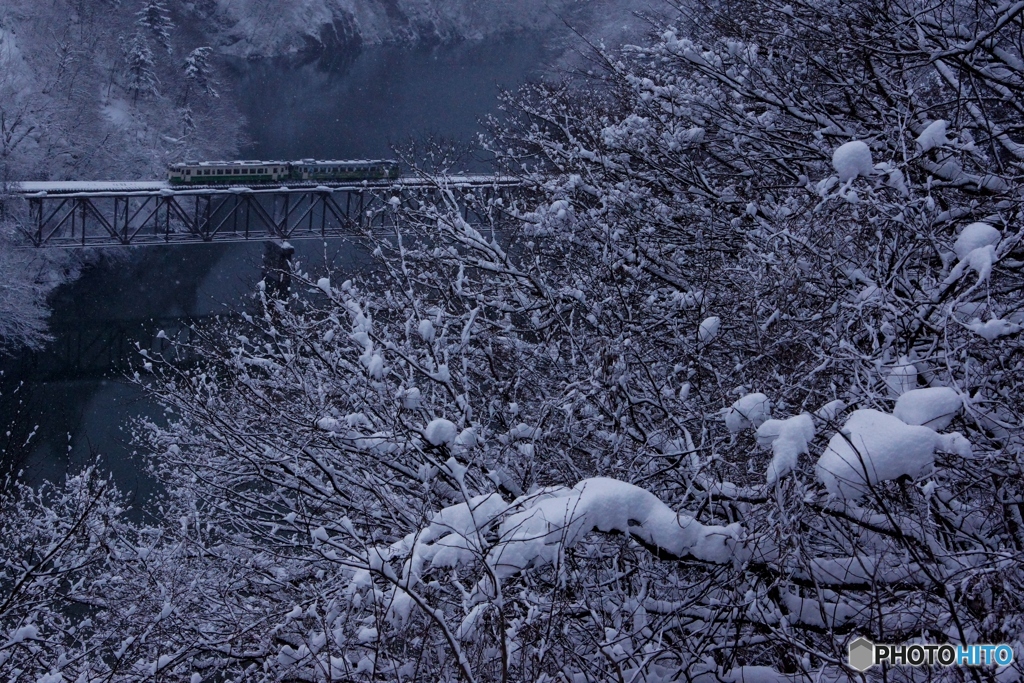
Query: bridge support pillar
[{"x": 277, "y": 268}]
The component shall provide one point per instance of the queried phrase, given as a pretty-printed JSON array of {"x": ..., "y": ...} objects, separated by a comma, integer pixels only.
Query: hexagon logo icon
[{"x": 861, "y": 654}]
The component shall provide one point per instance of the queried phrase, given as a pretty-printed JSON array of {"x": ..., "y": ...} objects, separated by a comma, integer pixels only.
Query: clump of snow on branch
[
  {"x": 975, "y": 236},
  {"x": 543, "y": 524},
  {"x": 426, "y": 330},
  {"x": 994, "y": 328},
  {"x": 536, "y": 528},
  {"x": 440, "y": 432},
  {"x": 708, "y": 329},
  {"x": 902, "y": 377},
  {"x": 933, "y": 407},
  {"x": 873, "y": 447},
  {"x": 851, "y": 160},
  {"x": 934, "y": 135},
  {"x": 750, "y": 411},
  {"x": 976, "y": 249},
  {"x": 788, "y": 440}
]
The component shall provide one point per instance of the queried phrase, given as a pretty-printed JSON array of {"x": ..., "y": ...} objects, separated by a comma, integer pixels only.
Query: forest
[{"x": 727, "y": 385}]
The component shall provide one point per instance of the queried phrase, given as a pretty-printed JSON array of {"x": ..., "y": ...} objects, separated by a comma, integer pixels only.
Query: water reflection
[
  {"x": 357, "y": 105},
  {"x": 70, "y": 403}
]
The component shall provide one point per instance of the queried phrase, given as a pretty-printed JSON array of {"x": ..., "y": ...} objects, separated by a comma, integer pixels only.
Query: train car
[
  {"x": 254, "y": 172},
  {"x": 376, "y": 169},
  {"x": 228, "y": 172}
]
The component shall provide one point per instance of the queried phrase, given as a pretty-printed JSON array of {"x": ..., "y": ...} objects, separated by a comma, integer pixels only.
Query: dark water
[
  {"x": 359, "y": 107},
  {"x": 73, "y": 398}
]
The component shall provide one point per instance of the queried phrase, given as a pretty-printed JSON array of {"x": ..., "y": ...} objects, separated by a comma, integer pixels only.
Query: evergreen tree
[
  {"x": 154, "y": 18},
  {"x": 188, "y": 123},
  {"x": 198, "y": 73},
  {"x": 140, "y": 73}
]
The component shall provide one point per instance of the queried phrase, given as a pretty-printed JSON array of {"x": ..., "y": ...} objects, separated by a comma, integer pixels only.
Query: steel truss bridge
[{"x": 112, "y": 213}]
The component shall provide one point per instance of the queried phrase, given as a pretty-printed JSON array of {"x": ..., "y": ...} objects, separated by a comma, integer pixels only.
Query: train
[{"x": 303, "y": 170}]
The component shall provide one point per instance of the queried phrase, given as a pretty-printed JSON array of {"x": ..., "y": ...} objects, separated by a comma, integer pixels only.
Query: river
[{"x": 71, "y": 402}]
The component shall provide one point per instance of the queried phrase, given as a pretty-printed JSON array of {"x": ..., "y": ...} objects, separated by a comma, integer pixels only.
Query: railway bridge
[{"x": 72, "y": 214}]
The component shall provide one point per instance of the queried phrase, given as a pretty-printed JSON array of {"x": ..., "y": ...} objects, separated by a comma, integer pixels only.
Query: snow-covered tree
[
  {"x": 139, "y": 68},
  {"x": 199, "y": 73},
  {"x": 755, "y": 317},
  {"x": 155, "y": 20}
]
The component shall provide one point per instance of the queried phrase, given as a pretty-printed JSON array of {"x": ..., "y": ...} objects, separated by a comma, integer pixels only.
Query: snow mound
[
  {"x": 873, "y": 447},
  {"x": 708, "y": 329},
  {"x": 750, "y": 411},
  {"x": 851, "y": 160},
  {"x": 440, "y": 431},
  {"x": 934, "y": 407},
  {"x": 993, "y": 329},
  {"x": 975, "y": 236},
  {"x": 933, "y": 136},
  {"x": 788, "y": 439},
  {"x": 557, "y": 518}
]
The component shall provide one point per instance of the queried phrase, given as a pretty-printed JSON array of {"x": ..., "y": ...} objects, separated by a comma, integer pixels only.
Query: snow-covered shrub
[{"x": 510, "y": 453}]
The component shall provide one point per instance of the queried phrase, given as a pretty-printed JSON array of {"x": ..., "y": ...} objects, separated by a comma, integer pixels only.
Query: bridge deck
[{"x": 159, "y": 187}]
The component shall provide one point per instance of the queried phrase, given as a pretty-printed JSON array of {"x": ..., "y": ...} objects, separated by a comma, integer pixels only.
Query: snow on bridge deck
[{"x": 101, "y": 187}]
